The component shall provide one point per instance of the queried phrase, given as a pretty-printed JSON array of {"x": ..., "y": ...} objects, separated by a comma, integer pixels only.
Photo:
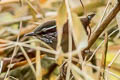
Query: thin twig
[
  {"x": 14, "y": 53},
  {"x": 100, "y": 45},
  {"x": 28, "y": 59},
  {"x": 116, "y": 56},
  {"x": 90, "y": 6},
  {"x": 15, "y": 49},
  {"x": 70, "y": 39},
  {"x": 103, "y": 25},
  {"x": 103, "y": 61},
  {"x": 25, "y": 18},
  {"x": 40, "y": 48},
  {"x": 97, "y": 68},
  {"x": 38, "y": 65},
  {"x": 40, "y": 41},
  {"x": 104, "y": 13},
  {"x": 32, "y": 7}
]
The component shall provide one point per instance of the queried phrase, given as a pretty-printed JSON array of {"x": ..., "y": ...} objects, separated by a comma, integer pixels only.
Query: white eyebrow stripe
[{"x": 45, "y": 29}]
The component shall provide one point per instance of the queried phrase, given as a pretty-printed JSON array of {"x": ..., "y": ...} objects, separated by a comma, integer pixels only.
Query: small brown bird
[{"x": 47, "y": 32}]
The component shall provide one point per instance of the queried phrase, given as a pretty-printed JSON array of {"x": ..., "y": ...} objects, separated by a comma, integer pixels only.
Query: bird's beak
[
  {"x": 90, "y": 16},
  {"x": 30, "y": 34}
]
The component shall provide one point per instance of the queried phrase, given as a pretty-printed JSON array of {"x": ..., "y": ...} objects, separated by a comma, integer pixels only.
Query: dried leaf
[
  {"x": 38, "y": 66},
  {"x": 61, "y": 20},
  {"x": 79, "y": 34}
]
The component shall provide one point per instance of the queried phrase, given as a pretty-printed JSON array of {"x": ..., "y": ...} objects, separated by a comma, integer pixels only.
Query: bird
[{"x": 47, "y": 32}]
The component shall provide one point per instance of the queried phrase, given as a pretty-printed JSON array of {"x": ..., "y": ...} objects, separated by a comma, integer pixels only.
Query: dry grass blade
[
  {"x": 68, "y": 71},
  {"x": 98, "y": 68},
  {"x": 36, "y": 40},
  {"x": 5, "y": 48},
  {"x": 70, "y": 39},
  {"x": 79, "y": 35},
  {"x": 28, "y": 59},
  {"x": 104, "y": 24},
  {"x": 103, "y": 61},
  {"x": 116, "y": 56},
  {"x": 80, "y": 73},
  {"x": 38, "y": 66},
  {"x": 33, "y": 10},
  {"x": 60, "y": 21},
  {"x": 105, "y": 51},
  {"x": 89, "y": 7},
  {"x": 40, "y": 48},
  {"x": 104, "y": 13},
  {"x": 76, "y": 30},
  {"x": 26, "y": 18},
  {"x": 40, "y": 9},
  {"x": 95, "y": 51},
  {"x": 76, "y": 76},
  {"x": 14, "y": 53},
  {"x": 32, "y": 7},
  {"x": 7, "y": 44},
  {"x": 22, "y": 63}
]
